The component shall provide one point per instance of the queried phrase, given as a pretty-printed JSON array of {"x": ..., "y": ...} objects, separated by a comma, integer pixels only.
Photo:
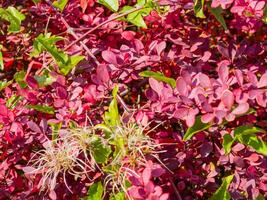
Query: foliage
[
  {"x": 222, "y": 192},
  {"x": 13, "y": 16},
  {"x": 108, "y": 99}
]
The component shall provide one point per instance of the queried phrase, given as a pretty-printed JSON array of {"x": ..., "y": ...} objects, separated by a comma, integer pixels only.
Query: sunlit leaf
[
  {"x": 159, "y": 77},
  {"x": 222, "y": 192},
  {"x": 254, "y": 142},
  {"x": 36, "y": 1},
  {"x": 264, "y": 18},
  {"x": 197, "y": 127},
  {"x": 100, "y": 151},
  {"x": 42, "y": 108},
  {"x": 55, "y": 127},
  {"x": 12, "y": 102},
  {"x": 4, "y": 84},
  {"x": 46, "y": 42},
  {"x": 136, "y": 17},
  {"x": 118, "y": 196},
  {"x": 260, "y": 197},
  {"x": 247, "y": 136},
  {"x": 112, "y": 116},
  {"x": 217, "y": 12},
  {"x": 95, "y": 191},
  {"x": 110, "y": 4},
  {"x": 227, "y": 143},
  {"x": 245, "y": 130},
  {"x": 198, "y": 8},
  {"x": 60, "y": 4},
  {"x": 72, "y": 62},
  {"x": 13, "y": 16},
  {"x": 1, "y": 59},
  {"x": 19, "y": 78}
]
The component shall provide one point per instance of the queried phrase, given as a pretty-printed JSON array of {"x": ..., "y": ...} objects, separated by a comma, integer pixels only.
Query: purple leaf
[
  {"x": 110, "y": 57},
  {"x": 34, "y": 127},
  {"x": 241, "y": 109},
  {"x": 32, "y": 82},
  {"x": 181, "y": 86},
  {"x": 102, "y": 74},
  {"x": 228, "y": 99},
  {"x": 146, "y": 175},
  {"x": 223, "y": 70},
  {"x": 263, "y": 81},
  {"x": 206, "y": 149}
]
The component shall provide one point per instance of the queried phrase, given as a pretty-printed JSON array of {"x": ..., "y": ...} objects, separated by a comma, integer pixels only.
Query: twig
[
  {"x": 98, "y": 26},
  {"x": 70, "y": 30},
  {"x": 126, "y": 108},
  {"x": 102, "y": 24},
  {"x": 175, "y": 190}
]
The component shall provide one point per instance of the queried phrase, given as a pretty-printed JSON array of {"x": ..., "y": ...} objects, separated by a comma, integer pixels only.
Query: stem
[
  {"x": 102, "y": 24},
  {"x": 126, "y": 108},
  {"x": 175, "y": 190},
  {"x": 98, "y": 26},
  {"x": 70, "y": 30}
]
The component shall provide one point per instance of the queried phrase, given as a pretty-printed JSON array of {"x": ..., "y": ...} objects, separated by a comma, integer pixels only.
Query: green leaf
[
  {"x": 245, "y": 130},
  {"x": 1, "y": 62},
  {"x": 217, "y": 12},
  {"x": 95, "y": 191},
  {"x": 260, "y": 197},
  {"x": 73, "y": 124},
  {"x": 36, "y": 1},
  {"x": 19, "y": 78},
  {"x": 1, "y": 59},
  {"x": 159, "y": 77},
  {"x": 55, "y": 127},
  {"x": 46, "y": 42},
  {"x": 136, "y": 18},
  {"x": 222, "y": 193},
  {"x": 118, "y": 196},
  {"x": 113, "y": 5},
  {"x": 198, "y": 8},
  {"x": 12, "y": 102},
  {"x": 227, "y": 143},
  {"x": 197, "y": 127},
  {"x": 264, "y": 18},
  {"x": 247, "y": 136},
  {"x": 112, "y": 116},
  {"x": 44, "y": 80},
  {"x": 42, "y": 108},
  {"x": 254, "y": 142},
  {"x": 100, "y": 151},
  {"x": 60, "y": 4},
  {"x": 14, "y": 17},
  {"x": 4, "y": 84},
  {"x": 73, "y": 61},
  {"x": 104, "y": 128}
]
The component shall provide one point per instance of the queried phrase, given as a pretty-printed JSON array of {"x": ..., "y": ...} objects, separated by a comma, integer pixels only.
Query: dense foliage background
[{"x": 117, "y": 99}]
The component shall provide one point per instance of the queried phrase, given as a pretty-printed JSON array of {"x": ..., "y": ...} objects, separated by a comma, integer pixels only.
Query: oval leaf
[
  {"x": 159, "y": 77},
  {"x": 197, "y": 127}
]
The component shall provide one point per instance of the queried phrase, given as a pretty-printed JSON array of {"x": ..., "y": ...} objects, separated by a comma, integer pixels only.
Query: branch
[
  {"x": 102, "y": 24},
  {"x": 177, "y": 194},
  {"x": 70, "y": 30}
]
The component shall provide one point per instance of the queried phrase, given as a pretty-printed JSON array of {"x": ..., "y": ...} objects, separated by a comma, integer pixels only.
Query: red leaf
[
  {"x": 110, "y": 57},
  {"x": 228, "y": 99},
  {"x": 83, "y": 4},
  {"x": 32, "y": 82},
  {"x": 146, "y": 175},
  {"x": 128, "y": 35}
]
